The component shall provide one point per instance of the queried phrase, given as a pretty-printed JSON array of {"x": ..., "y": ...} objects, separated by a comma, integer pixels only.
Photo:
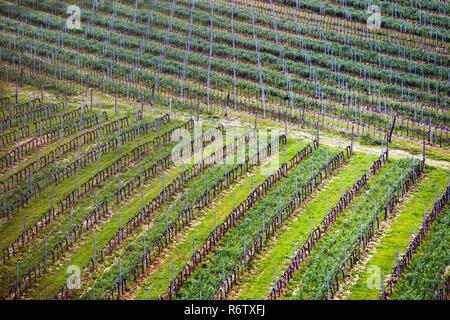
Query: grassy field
[
  {"x": 429, "y": 264},
  {"x": 310, "y": 282},
  {"x": 160, "y": 276},
  {"x": 277, "y": 256},
  {"x": 397, "y": 236}
]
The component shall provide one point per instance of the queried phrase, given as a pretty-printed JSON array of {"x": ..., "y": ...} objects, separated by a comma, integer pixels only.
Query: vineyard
[{"x": 224, "y": 150}]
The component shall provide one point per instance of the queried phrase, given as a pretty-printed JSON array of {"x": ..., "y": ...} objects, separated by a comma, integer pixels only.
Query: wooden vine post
[
  {"x": 92, "y": 99},
  {"x": 423, "y": 151},
  {"x": 352, "y": 138}
]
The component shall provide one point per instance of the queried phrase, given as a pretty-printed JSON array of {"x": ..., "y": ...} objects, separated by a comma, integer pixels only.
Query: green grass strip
[
  {"x": 431, "y": 259},
  {"x": 52, "y": 282},
  {"x": 125, "y": 258},
  {"x": 12, "y": 228},
  {"x": 276, "y": 257},
  {"x": 33, "y": 252},
  {"x": 329, "y": 252},
  {"x": 204, "y": 281},
  {"x": 408, "y": 221},
  {"x": 179, "y": 253}
]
